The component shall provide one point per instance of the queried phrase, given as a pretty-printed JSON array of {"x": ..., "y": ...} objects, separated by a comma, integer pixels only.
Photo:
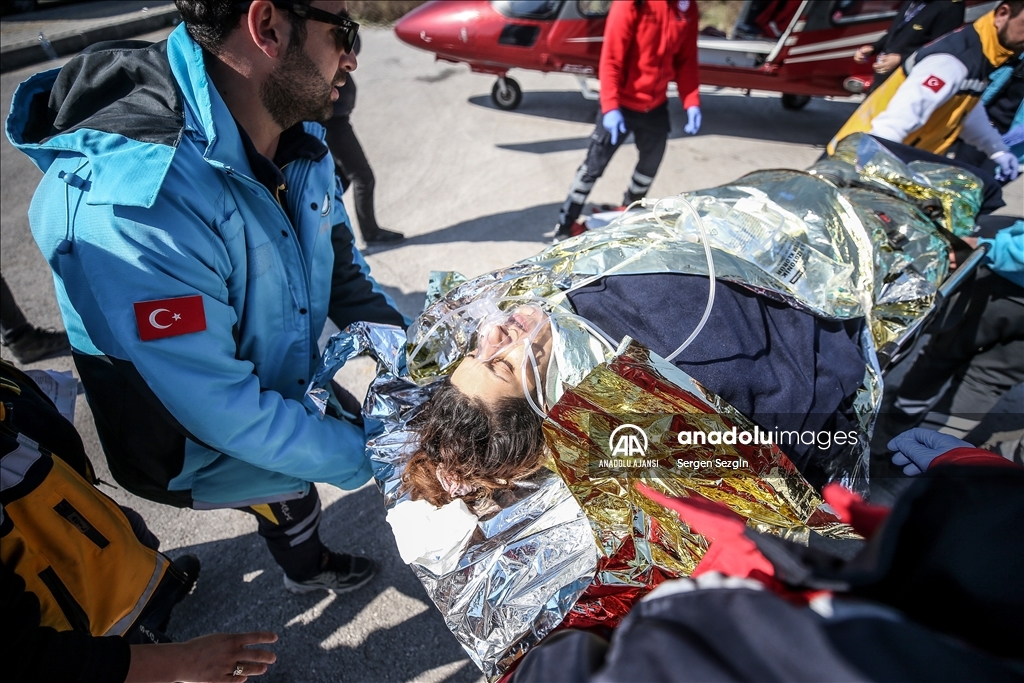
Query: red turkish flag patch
[
  {"x": 170, "y": 317},
  {"x": 934, "y": 83}
]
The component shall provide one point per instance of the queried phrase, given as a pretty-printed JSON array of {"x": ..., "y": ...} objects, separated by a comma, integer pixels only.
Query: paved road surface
[{"x": 474, "y": 188}]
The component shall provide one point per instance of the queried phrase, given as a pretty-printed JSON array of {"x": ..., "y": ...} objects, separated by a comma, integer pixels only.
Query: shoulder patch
[
  {"x": 170, "y": 317},
  {"x": 934, "y": 83}
]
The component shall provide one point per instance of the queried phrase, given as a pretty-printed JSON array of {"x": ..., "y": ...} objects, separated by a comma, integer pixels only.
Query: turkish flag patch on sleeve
[
  {"x": 934, "y": 83},
  {"x": 170, "y": 317}
]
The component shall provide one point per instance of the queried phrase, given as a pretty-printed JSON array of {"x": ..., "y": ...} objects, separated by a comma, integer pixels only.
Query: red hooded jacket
[{"x": 645, "y": 47}]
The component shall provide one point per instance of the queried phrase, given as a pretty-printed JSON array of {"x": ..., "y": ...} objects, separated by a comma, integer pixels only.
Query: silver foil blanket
[{"x": 572, "y": 543}]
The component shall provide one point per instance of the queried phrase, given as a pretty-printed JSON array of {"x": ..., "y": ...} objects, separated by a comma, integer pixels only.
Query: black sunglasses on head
[{"x": 344, "y": 37}]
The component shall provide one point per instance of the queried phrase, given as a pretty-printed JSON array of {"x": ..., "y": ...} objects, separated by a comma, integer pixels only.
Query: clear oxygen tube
[
  {"x": 711, "y": 271},
  {"x": 672, "y": 231}
]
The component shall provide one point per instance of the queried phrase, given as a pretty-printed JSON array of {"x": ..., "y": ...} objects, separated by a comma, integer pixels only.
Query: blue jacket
[
  {"x": 1006, "y": 253},
  {"x": 148, "y": 195},
  {"x": 999, "y": 81}
]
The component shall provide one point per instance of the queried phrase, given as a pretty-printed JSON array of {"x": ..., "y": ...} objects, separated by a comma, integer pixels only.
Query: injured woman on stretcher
[{"x": 721, "y": 343}]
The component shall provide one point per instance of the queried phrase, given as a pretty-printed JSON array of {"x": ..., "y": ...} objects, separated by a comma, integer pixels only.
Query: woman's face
[{"x": 495, "y": 368}]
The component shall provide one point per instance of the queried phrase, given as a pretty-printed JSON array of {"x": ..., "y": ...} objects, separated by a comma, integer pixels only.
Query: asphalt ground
[{"x": 474, "y": 188}]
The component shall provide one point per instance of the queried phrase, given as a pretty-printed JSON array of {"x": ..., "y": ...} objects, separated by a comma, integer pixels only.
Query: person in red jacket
[{"x": 647, "y": 43}]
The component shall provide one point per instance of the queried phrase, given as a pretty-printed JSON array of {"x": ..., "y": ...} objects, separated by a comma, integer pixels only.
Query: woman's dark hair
[
  {"x": 484, "y": 446},
  {"x": 210, "y": 22}
]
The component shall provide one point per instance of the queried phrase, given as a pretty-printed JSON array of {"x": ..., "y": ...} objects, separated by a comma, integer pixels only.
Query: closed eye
[{"x": 507, "y": 368}]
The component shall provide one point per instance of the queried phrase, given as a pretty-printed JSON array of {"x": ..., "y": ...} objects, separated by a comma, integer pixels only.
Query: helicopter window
[
  {"x": 520, "y": 35},
  {"x": 592, "y": 9},
  {"x": 528, "y": 9},
  {"x": 855, "y": 11}
]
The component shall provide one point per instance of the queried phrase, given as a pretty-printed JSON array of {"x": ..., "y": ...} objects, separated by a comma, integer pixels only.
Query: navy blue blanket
[{"x": 783, "y": 368}]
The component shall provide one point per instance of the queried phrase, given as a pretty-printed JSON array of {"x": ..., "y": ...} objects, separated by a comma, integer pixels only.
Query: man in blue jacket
[{"x": 198, "y": 244}]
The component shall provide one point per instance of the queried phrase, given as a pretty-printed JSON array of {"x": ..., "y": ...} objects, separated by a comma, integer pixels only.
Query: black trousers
[
  {"x": 291, "y": 529},
  {"x": 12, "y": 320},
  {"x": 650, "y": 130},
  {"x": 352, "y": 167},
  {"x": 962, "y": 372}
]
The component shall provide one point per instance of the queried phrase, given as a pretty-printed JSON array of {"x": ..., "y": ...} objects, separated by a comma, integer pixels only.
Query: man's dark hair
[
  {"x": 210, "y": 22},
  {"x": 1016, "y": 6}
]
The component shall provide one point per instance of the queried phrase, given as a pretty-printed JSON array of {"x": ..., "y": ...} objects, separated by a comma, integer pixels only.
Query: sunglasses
[{"x": 344, "y": 35}]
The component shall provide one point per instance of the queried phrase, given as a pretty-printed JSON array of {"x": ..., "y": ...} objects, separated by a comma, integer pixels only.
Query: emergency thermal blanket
[{"x": 573, "y": 543}]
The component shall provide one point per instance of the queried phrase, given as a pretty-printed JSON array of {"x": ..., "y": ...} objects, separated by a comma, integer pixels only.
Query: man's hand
[
  {"x": 692, "y": 120},
  {"x": 972, "y": 242},
  {"x": 614, "y": 124},
  {"x": 914, "y": 450},
  {"x": 863, "y": 53},
  {"x": 208, "y": 659},
  {"x": 1009, "y": 167},
  {"x": 886, "y": 62}
]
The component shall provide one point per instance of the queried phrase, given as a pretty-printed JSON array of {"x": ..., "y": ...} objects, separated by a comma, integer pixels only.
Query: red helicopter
[{"x": 800, "y": 48}]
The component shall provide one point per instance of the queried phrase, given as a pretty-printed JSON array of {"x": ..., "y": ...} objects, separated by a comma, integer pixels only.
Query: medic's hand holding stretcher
[{"x": 727, "y": 342}]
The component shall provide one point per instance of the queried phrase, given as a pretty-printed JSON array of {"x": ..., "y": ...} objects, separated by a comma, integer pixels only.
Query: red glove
[
  {"x": 864, "y": 518},
  {"x": 730, "y": 551}
]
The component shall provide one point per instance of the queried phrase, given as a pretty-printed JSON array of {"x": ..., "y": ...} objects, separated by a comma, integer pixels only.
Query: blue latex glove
[
  {"x": 692, "y": 120},
  {"x": 915, "y": 449},
  {"x": 614, "y": 124},
  {"x": 1009, "y": 167}
]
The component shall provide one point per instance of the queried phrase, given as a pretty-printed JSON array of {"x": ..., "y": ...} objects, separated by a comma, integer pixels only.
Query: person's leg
[
  {"x": 598, "y": 155},
  {"x": 995, "y": 369},
  {"x": 355, "y": 168},
  {"x": 291, "y": 531},
  {"x": 963, "y": 371},
  {"x": 12, "y": 321},
  {"x": 650, "y": 130},
  {"x": 27, "y": 342},
  {"x": 177, "y": 582},
  {"x": 140, "y": 529}
]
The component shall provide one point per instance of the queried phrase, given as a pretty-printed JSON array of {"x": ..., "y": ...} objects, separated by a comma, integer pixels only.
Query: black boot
[
  {"x": 34, "y": 344},
  {"x": 382, "y": 236}
]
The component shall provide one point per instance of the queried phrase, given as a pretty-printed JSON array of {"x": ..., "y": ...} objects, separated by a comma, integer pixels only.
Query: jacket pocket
[
  {"x": 77, "y": 520},
  {"x": 73, "y": 611}
]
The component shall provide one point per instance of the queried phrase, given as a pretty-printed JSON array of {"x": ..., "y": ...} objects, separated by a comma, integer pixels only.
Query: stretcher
[{"x": 572, "y": 543}]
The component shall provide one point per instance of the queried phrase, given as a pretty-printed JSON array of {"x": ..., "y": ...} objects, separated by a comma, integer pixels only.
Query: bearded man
[
  {"x": 198, "y": 244},
  {"x": 932, "y": 98}
]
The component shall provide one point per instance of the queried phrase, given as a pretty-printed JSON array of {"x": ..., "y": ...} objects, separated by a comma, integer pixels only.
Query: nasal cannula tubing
[
  {"x": 617, "y": 266},
  {"x": 711, "y": 277},
  {"x": 589, "y": 327},
  {"x": 643, "y": 252},
  {"x": 539, "y": 409},
  {"x": 443, "y": 319}
]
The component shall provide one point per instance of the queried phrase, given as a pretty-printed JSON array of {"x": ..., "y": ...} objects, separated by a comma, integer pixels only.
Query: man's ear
[
  {"x": 269, "y": 28},
  {"x": 1001, "y": 16}
]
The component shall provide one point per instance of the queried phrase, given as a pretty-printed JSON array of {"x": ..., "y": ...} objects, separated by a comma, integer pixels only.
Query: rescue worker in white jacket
[{"x": 932, "y": 98}]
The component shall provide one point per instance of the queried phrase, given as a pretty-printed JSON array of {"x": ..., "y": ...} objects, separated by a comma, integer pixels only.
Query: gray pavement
[
  {"x": 474, "y": 188},
  {"x": 62, "y": 28}
]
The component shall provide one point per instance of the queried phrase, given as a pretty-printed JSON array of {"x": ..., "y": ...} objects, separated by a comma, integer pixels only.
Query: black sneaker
[
  {"x": 342, "y": 574},
  {"x": 382, "y": 236},
  {"x": 188, "y": 566},
  {"x": 564, "y": 232},
  {"x": 36, "y": 344}
]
